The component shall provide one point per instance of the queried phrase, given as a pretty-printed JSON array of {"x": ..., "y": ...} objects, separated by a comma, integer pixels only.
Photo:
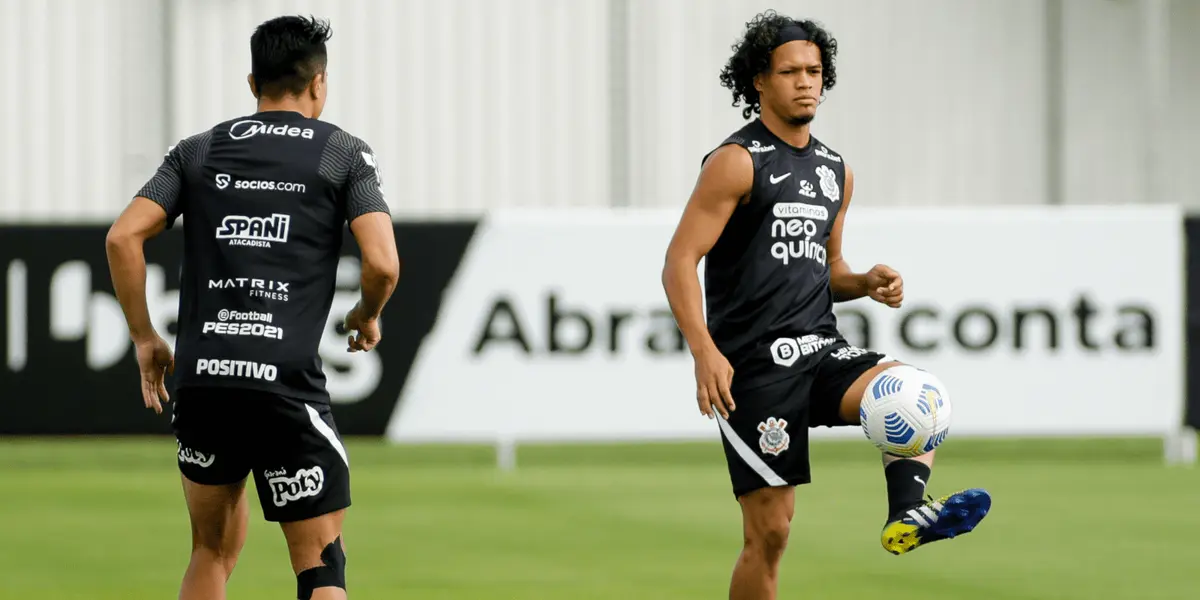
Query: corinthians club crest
[
  {"x": 774, "y": 438},
  {"x": 829, "y": 185}
]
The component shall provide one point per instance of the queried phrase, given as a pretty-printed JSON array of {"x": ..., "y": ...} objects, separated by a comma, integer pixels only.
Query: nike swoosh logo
[
  {"x": 775, "y": 179},
  {"x": 918, "y": 478}
]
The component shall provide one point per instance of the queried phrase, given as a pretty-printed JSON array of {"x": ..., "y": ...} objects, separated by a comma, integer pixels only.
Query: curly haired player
[{"x": 767, "y": 214}]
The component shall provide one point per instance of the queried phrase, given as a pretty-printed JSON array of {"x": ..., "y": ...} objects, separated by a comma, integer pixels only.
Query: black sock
[{"x": 906, "y": 481}]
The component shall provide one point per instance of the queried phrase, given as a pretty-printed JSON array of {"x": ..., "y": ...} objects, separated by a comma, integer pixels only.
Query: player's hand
[
  {"x": 885, "y": 286},
  {"x": 714, "y": 376},
  {"x": 367, "y": 331},
  {"x": 155, "y": 361}
]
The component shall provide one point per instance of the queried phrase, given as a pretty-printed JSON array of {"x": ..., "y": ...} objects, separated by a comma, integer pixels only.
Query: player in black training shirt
[
  {"x": 767, "y": 214},
  {"x": 264, "y": 200}
]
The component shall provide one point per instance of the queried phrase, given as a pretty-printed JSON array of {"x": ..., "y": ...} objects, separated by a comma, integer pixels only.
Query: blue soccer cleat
[{"x": 935, "y": 520}]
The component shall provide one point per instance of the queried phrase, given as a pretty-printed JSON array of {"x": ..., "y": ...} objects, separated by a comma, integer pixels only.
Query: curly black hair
[{"x": 752, "y": 56}]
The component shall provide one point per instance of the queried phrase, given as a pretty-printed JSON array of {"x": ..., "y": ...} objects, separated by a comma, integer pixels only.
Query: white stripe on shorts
[
  {"x": 753, "y": 460},
  {"x": 327, "y": 432}
]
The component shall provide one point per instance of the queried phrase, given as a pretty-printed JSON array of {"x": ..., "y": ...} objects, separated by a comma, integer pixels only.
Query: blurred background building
[{"x": 595, "y": 103}]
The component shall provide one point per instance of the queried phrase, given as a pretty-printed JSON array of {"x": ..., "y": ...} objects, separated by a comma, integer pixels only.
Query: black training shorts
[
  {"x": 293, "y": 448},
  {"x": 766, "y": 438}
]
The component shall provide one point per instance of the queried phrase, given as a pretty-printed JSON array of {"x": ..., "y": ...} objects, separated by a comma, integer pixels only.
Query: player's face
[{"x": 791, "y": 89}]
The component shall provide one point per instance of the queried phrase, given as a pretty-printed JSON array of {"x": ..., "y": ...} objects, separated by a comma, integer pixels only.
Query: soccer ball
[{"x": 905, "y": 411}]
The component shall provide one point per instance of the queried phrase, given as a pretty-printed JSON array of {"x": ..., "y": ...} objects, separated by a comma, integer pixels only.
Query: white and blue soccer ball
[{"x": 905, "y": 411}]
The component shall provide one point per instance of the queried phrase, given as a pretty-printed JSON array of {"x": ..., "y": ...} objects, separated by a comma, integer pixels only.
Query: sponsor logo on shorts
[
  {"x": 236, "y": 368},
  {"x": 250, "y": 127},
  {"x": 774, "y": 439},
  {"x": 849, "y": 352},
  {"x": 223, "y": 180},
  {"x": 233, "y": 322},
  {"x": 256, "y": 288},
  {"x": 258, "y": 232},
  {"x": 306, "y": 483},
  {"x": 786, "y": 351},
  {"x": 187, "y": 455}
]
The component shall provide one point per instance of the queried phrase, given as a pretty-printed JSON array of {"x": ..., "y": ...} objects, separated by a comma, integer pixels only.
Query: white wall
[
  {"x": 1183, "y": 123},
  {"x": 467, "y": 103},
  {"x": 1104, "y": 128},
  {"x": 936, "y": 101},
  {"x": 82, "y": 113},
  {"x": 474, "y": 104}
]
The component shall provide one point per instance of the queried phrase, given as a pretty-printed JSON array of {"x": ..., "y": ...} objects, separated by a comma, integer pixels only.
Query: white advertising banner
[{"x": 1040, "y": 321}]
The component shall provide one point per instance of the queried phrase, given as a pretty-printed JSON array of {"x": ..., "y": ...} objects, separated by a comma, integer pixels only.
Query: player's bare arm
[
  {"x": 882, "y": 283},
  {"x": 380, "y": 272},
  {"x": 124, "y": 245},
  {"x": 725, "y": 179}
]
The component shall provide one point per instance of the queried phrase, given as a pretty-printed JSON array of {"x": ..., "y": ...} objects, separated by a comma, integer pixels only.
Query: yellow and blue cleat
[{"x": 944, "y": 518}]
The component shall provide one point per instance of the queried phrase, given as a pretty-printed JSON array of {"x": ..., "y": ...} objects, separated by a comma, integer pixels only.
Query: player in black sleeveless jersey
[
  {"x": 264, "y": 200},
  {"x": 767, "y": 215}
]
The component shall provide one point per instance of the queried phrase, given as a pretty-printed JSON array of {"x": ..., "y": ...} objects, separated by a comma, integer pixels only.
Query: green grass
[{"x": 104, "y": 519}]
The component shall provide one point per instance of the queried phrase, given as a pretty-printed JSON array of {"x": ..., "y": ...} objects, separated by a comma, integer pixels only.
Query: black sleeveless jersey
[
  {"x": 767, "y": 276},
  {"x": 265, "y": 200}
]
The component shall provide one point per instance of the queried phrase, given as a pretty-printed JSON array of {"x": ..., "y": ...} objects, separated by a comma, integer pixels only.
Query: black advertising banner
[
  {"x": 69, "y": 368},
  {"x": 1192, "y": 312}
]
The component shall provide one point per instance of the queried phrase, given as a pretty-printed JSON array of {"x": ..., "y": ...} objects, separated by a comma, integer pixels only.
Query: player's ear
[
  {"x": 314, "y": 88},
  {"x": 253, "y": 88}
]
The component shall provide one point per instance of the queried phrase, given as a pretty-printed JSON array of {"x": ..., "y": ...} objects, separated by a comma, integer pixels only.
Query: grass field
[{"x": 104, "y": 519}]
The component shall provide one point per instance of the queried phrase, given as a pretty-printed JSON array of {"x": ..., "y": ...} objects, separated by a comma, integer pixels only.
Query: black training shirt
[
  {"x": 767, "y": 276},
  {"x": 264, "y": 199}
]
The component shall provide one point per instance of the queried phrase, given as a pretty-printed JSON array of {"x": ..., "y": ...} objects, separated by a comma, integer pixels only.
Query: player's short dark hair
[
  {"x": 752, "y": 56},
  {"x": 286, "y": 53}
]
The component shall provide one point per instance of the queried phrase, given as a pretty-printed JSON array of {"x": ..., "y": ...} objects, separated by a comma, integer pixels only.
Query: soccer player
[
  {"x": 264, "y": 200},
  {"x": 767, "y": 213}
]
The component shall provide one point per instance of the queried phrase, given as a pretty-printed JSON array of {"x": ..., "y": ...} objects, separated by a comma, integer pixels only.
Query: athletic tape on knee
[{"x": 331, "y": 574}]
